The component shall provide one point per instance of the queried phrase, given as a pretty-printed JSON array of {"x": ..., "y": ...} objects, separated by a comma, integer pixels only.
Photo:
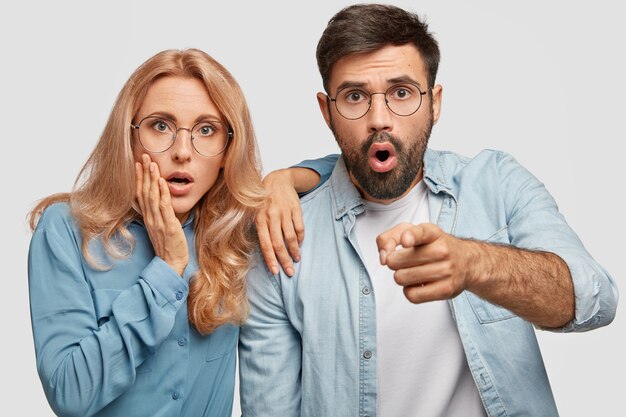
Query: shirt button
[
  {"x": 366, "y": 290},
  {"x": 367, "y": 354},
  {"x": 175, "y": 396},
  {"x": 182, "y": 341},
  {"x": 179, "y": 295}
]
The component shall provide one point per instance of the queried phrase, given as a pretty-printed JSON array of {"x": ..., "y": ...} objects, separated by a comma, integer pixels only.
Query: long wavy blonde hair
[{"x": 103, "y": 199}]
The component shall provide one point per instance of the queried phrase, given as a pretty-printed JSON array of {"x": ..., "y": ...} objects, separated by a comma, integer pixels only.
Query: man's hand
[
  {"x": 433, "y": 265},
  {"x": 429, "y": 265}
]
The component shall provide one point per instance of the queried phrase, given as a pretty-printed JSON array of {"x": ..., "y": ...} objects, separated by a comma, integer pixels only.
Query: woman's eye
[
  {"x": 161, "y": 126},
  {"x": 206, "y": 130}
]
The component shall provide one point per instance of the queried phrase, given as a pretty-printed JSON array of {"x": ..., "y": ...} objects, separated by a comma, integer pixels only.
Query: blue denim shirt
[
  {"x": 117, "y": 342},
  {"x": 309, "y": 345}
]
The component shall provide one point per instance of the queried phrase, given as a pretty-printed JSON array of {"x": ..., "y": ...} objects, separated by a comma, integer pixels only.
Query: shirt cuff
[{"x": 163, "y": 279}]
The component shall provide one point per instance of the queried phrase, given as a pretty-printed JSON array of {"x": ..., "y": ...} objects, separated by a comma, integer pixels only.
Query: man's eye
[
  {"x": 401, "y": 93},
  {"x": 355, "y": 96}
]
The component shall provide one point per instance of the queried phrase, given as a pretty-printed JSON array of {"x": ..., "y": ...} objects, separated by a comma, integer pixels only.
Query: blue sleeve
[
  {"x": 269, "y": 351},
  {"x": 83, "y": 364},
  {"x": 323, "y": 166},
  {"x": 534, "y": 222}
]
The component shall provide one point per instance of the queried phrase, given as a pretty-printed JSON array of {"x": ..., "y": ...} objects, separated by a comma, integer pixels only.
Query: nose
[
  {"x": 182, "y": 148},
  {"x": 379, "y": 116}
]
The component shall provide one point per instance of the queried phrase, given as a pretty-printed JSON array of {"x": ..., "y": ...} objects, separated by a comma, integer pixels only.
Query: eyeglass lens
[
  {"x": 402, "y": 99},
  {"x": 157, "y": 134}
]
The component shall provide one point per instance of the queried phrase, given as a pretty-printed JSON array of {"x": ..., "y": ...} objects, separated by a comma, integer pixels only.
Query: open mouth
[
  {"x": 178, "y": 180},
  {"x": 179, "y": 183},
  {"x": 382, "y": 156}
]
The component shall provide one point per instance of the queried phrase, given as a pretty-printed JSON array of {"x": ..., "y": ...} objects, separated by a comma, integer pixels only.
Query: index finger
[
  {"x": 405, "y": 235},
  {"x": 265, "y": 242},
  {"x": 389, "y": 240}
]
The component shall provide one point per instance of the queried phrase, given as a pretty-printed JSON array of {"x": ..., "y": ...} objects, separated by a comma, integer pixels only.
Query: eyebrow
[
  {"x": 173, "y": 118},
  {"x": 390, "y": 81},
  {"x": 403, "y": 79},
  {"x": 347, "y": 84}
]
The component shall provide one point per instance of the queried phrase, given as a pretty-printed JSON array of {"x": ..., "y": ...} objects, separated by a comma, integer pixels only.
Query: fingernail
[
  {"x": 297, "y": 259},
  {"x": 289, "y": 271},
  {"x": 152, "y": 166},
  {"x": 274, "y": 270}
]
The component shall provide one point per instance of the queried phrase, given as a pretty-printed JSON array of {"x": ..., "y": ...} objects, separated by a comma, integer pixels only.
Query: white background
[{"x": 543, "y": 80}]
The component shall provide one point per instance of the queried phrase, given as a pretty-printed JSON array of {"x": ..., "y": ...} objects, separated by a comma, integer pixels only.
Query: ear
[
  {"x": 323, "y": 101},
  {"x": 437, "y": 93}
]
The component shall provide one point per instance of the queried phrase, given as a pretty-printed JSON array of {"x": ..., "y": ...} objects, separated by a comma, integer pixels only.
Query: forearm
[
  {"x": 83, "y": 364},
  {"x": 536, "y": 286},
  {"x": 301, "y": 179}
]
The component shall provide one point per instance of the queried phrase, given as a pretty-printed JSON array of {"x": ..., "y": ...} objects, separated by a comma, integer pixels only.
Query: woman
[{"x": 137, "y": 276}]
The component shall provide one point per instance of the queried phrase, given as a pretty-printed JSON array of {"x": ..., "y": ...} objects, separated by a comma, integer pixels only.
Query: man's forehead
[{"x": 387, "y": 65}]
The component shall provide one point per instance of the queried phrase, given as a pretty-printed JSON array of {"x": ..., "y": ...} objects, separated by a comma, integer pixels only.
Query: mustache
[{"x": 378, "y": 137}]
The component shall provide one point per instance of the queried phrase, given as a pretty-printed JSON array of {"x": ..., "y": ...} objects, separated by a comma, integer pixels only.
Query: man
[{"x": 423, "y": 272}]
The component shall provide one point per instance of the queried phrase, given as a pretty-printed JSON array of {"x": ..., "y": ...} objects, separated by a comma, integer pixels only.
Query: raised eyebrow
[
  {"x": 403, "y": 79},
  {"x": 347, "y": 84},
  {"x": 163, "y": 115},
  {"x": 208, "y": 118},
  {"x": 202, "y": 118}
]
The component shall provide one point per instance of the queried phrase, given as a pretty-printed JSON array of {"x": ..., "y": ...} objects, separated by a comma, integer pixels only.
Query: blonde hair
[{"x": 103, "y": 199}]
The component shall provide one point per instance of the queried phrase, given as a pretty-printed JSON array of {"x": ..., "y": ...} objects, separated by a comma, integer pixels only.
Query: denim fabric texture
[{"x": 309, "y": 345}]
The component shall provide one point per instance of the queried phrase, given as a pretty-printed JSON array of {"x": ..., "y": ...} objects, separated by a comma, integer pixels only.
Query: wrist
[
  {"x": 303, "y": 179},
  {"x": 477, "y": 261}
]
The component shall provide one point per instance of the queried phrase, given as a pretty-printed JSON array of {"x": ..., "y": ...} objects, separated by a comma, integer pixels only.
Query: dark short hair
[{"x": 365, "y": 28}]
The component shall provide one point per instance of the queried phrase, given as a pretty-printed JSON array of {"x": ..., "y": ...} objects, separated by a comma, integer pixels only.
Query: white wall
[{"x": 542, "y": 80}]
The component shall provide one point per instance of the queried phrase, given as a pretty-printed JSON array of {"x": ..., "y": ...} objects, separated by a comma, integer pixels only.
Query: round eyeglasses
[
  {"x": 402, "y": 99},
  {"x": 157, "y": 134}
]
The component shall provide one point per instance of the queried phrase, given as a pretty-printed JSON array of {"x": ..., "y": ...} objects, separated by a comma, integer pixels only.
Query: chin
[{"x": 182, "y": 210}]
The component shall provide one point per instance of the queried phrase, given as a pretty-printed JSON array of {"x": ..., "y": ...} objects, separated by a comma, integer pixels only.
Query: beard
[{"x": 394, "y": 183}]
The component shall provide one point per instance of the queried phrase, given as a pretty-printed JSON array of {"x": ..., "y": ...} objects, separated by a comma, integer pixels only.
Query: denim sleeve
[
  {"x": 83, "y": 364},
  {"x": 534, "y": 222},
  {"x": 323, "y": 166},
  {"x": 269, "y": 351}
]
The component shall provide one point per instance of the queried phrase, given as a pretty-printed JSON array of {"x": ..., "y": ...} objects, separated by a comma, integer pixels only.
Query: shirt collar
[{"x": 436, "y": 176}]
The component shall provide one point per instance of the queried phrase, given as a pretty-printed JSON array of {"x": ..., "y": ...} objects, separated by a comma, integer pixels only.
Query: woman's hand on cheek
[{"x": 164, "y": 228}]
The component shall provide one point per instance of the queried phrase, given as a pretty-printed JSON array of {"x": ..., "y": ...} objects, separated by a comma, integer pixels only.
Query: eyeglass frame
[
  {"x": 190, "y": 130},
  {"x": 369, "y": 104}
]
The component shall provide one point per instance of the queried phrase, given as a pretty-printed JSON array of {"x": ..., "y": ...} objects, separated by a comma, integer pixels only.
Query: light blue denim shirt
[
  {"x": 117, "y": 342},
  {"x": 309, "y": 345}
]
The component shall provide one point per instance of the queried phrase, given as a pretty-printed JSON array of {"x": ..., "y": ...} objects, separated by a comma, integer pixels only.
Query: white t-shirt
[{"x": 422, "y": 369}]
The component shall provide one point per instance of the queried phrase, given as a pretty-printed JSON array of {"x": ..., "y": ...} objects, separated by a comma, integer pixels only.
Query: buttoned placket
[
  {"x": 367, "y": 323},
  {"x": 445, "y": 205}
]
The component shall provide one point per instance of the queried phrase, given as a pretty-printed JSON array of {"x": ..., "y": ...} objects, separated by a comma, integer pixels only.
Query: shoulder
[
  {"x": 448, "y": 160},
  {"x": 57, "y": 217},
  {"x": 449, "y": 167},
  {"x": 57, "y": 235}
]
